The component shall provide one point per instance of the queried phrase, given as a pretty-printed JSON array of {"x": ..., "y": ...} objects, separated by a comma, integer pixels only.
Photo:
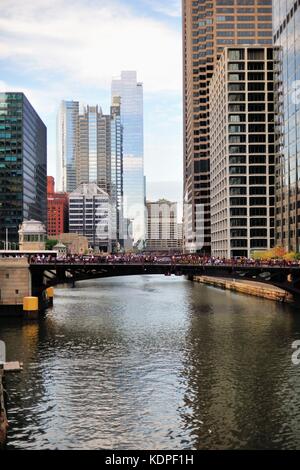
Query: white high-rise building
[
  {"x": 67, "y": 139},
  {"x": 163, "y": 231},
  {"x": 90, "y": 216},
  {"x": 130, "y": 92}
]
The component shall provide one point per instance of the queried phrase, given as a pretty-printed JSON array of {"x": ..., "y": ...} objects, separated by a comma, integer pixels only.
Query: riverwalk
[{"x": 256, "y": 289}]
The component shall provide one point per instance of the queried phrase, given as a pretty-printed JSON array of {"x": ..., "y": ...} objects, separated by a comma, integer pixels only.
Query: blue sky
[{"x": 70, "y": 49}]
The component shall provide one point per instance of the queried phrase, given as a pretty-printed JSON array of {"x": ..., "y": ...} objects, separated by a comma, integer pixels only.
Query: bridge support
[
  {"x": 50, "y": 295},
  {"x": 15, "y": 284},
  {"x": 31, "y": 308}
]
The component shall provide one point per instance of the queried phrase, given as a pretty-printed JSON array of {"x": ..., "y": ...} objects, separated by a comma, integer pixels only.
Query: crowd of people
[{"x": 144, "y": 258}]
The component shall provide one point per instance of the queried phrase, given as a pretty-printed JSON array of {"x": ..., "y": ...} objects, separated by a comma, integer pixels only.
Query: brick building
[{"x": 57, "y": 209}]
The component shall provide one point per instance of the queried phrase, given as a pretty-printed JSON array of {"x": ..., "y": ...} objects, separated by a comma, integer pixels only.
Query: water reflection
[
  {"x": 154, "y": 362},
  {"x": 241, "y": 387}
]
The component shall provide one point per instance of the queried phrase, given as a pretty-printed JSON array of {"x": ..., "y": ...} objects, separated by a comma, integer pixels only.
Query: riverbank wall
[
  {"x": 15, "y": 284},
  {"x": 3, "y": 417},
  {"x": 247, "y": 287}
]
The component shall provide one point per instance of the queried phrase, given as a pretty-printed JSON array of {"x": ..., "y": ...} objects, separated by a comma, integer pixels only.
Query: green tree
[{"x": 50, "y": 244}]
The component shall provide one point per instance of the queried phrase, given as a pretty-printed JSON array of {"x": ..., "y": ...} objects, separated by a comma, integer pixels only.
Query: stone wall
[{"x": 15, "y": 281}]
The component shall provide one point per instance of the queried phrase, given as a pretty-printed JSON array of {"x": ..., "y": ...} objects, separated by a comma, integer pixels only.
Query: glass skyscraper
[
  {"x": 116, "y": 167},
  {"x": 90, "y": 151},
  {"x": 23, "y": 165},
  {"x": 131, "y": 93},
  {"x": 286, "y": 29},
  {"x": 93, "y": 148},
  {"x": 67, "y": 131}
]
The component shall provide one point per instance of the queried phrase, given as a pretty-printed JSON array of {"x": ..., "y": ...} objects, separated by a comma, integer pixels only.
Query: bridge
[{"x": 46, "y": 274}]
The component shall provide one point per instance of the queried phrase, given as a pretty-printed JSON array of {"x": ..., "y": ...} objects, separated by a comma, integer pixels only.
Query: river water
[{"x": 154, "y": 362}]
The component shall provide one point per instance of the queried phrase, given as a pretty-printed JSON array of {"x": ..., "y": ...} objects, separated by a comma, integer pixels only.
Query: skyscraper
[
  {"x": 163, "y": 231},
  {"x": 116, "y": 167},
  {"x": 131, "y": 93},
  {"x": 67, "y": 140},
  {"x": 93, "y": 150},
  {"x": 90, "y": 215},
  {"x": 23, "y": 165},
  {"x": 242, "y": 152},
  {"x": 209, "y": 25},
  {"x": 286, "y": 26}
]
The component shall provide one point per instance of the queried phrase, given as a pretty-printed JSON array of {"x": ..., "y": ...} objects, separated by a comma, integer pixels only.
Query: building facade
[
  {"x": 93, "y": 156},
  {"x": 242, "y": 154},
  {"x": 76, "y": 244},
  {"x": 23, "y": 165},
  {"x": 130, "y": 92},
  {"x": 208, "y": 26},
  {"x": 67, "y": 141},
  {"x": 32, "y": 236},
  {"x": 90, "y": 216},
  {"x": 163, "y": 231},
  {"x": 57, "y": 208},
  {"x": 90, "y": 148},
  {"x": 116, "y": 170},
  {"x": 287, "y": 41}
]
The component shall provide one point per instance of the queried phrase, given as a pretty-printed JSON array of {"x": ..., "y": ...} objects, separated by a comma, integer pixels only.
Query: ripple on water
[{"x": 155, "y": 363}]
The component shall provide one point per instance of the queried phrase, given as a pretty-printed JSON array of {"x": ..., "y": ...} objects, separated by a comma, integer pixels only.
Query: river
[{"x": 154, "y": 362}]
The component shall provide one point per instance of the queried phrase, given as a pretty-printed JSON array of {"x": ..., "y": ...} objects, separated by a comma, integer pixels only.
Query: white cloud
[
  {"x": 70, "y": 49},
  {"x": 45, "y": 102},
  {"x": 3, "y": 86},
  {"x": 89, "y": 42},
  {"x": 170, "y": 8}
]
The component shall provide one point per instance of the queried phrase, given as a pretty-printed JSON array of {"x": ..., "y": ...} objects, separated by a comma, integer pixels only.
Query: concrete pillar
[{"x": 50, "y": 295}]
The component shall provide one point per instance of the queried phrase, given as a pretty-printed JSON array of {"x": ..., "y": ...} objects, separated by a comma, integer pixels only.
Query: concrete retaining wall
[
  {"x": 15, "y": 281},
  {"x": 247, "y": 287}
]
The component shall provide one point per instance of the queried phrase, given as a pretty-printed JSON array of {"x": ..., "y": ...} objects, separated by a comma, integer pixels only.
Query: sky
[{"x": 71, "y": 49}]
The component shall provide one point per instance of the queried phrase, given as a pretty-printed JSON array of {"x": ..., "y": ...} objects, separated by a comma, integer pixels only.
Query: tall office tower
[
  {"x": 116, "y": 167},
  {"x": 209, "y": 25},
  {"x": 23, "y": 165},
  {"x": 93, "y": 154},
  {"x": 90, "y": 216},
  {"x": 67, "y": 135},
  {"x": 131, "y": 93},
  {"x": 242, "y": 159},
  {"x": 286, "y": 28}
]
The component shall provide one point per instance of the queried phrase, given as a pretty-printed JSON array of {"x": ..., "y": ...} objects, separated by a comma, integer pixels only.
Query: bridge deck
[{"x": 45, "y": 274}]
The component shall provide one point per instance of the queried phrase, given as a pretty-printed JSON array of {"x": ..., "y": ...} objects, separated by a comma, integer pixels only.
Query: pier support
[
  {"x": 31, "y": 308},
  {"x": 50, "y": 295}
]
